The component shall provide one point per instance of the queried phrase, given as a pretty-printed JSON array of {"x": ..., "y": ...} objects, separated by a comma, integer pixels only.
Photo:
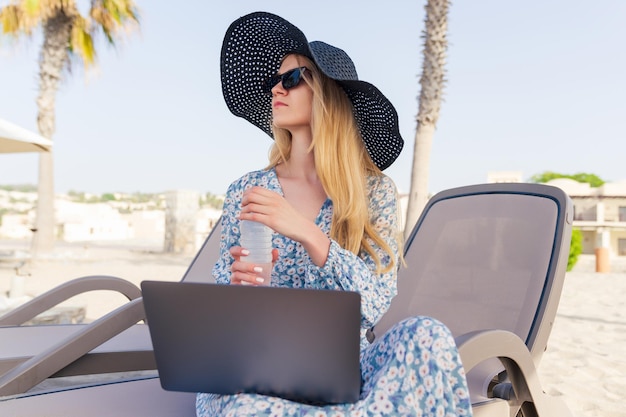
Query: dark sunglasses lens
[
  {"x": 291, "y": 78},
  {"x": 271, "y": 83}
]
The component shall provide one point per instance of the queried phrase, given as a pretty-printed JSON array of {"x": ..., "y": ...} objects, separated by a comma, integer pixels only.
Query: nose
[{"x": 278, "y": 88}]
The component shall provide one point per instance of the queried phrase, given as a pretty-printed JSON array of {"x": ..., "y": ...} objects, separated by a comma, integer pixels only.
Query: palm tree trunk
[
  {"x": 418, "y": 195},
  {"x": 432, "y": 82},
  {"x": 54, "y": 56}
]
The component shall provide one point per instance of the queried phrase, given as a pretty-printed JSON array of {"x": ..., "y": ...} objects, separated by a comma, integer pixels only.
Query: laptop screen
[{"x": 299, "y": 344}]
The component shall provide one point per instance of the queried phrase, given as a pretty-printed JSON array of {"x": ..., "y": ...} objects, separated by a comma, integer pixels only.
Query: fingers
[
  {"x": 258, "y": 195},
  {"x": 241, "y": 278},
  {"x": 246, "y": 273},
  {"x": 259, "y": 200},
  {"x": 237, "y": 251},
  {"x": 270, "y": 208}
]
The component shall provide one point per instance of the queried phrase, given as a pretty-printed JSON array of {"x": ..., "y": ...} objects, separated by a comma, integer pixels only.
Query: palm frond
[
  {"x": 81, "y": 41},
  {"x": 20, "y": 17},
  {"x": 31, "y": 7},
  {"x": 11, "y": 20},
  {"x": 42, "y": 10},
  {"x": 113, "y": 15}
]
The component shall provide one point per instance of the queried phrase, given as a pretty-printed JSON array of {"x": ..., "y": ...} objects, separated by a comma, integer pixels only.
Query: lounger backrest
[
  {"x": 201, "y": 267},
  {"x": 489, "y": 256}
]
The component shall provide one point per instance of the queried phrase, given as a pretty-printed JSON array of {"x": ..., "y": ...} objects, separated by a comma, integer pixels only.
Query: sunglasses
[{"x": 289, "y": 79}]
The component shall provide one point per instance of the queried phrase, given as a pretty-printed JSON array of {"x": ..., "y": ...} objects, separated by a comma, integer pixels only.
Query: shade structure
[{"x": 14, "y": 138}]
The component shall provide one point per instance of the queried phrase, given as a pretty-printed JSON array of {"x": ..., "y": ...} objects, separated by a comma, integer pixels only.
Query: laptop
[{"x": 298, "y": 344}]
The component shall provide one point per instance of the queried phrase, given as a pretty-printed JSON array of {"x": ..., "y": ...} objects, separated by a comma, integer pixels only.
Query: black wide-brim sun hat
[{"x": 253, "y": 49}]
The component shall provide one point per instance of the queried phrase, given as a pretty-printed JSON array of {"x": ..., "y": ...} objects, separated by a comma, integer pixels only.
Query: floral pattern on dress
[{"x": 413, "y": 369}]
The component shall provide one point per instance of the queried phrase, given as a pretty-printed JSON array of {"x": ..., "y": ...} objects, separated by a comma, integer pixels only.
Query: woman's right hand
[
  {"x": 246, "y": 273},
  {"x": 273, "y": 210}
]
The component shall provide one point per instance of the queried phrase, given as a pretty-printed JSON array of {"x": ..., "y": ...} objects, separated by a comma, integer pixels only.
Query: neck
[
  {"x": 301, "y": 161},
  {"x": 301, "y": 157}
]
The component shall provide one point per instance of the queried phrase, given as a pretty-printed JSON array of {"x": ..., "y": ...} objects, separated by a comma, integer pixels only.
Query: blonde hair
[{"x": 343, "y": 165}]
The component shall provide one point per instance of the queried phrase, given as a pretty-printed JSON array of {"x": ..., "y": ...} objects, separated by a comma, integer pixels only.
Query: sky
[{"x": 532, "y": 86}]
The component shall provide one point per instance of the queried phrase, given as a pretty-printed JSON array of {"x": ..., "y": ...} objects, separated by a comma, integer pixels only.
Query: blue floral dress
[{"x": 412, "y": 370}]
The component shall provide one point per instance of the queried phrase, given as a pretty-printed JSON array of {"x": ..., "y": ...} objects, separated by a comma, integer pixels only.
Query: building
[
  {"x": 115, "y": 222},
  {"x": 599, "y": 213}
]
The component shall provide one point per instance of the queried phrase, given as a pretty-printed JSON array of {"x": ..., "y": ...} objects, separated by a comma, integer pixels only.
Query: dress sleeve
[{"x": 346, "y": 271}]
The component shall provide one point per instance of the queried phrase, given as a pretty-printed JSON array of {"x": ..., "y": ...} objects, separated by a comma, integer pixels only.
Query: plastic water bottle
[{"x": 257, "y": 239}]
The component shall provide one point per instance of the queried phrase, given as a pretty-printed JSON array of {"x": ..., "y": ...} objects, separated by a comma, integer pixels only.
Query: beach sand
[
  {"x": 134, "y": 264},
  {"x": 585, "y": 362}
]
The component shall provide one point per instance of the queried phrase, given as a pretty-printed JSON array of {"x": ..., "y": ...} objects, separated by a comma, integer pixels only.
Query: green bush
[
  {"x": 583, "y": 177},
  {"x": 575, "y": 249}
]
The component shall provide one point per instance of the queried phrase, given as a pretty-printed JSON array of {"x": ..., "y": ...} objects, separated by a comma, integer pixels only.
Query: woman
[{"x": 333, "y": 212}]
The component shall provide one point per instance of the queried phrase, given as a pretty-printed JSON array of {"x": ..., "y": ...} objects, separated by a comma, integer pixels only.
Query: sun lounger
[{"x": 489, "y": 262}]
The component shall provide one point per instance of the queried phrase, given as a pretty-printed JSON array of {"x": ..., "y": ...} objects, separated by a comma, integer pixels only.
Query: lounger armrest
[
  {"x": 65, "y": 291},
  {"x": 36, "y": 369},
  {"x": 478, "y": 346}
]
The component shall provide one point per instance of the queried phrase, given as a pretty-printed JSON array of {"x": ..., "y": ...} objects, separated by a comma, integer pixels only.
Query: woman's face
[{"x": 291, "y": 109}]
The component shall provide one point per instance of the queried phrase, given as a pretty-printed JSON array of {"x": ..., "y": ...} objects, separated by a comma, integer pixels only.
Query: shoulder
[
  {"x": 264, "y": 177},
  {"x": 232, "y": 200},
  {"x": 383, "y": 195},
  {"x": 381, "y": 185}
]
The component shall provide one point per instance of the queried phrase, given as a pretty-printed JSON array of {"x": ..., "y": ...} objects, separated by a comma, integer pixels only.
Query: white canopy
[{"x": 17, "y": 139}]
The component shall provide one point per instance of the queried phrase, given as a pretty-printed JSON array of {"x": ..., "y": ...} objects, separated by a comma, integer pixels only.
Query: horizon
[{"x": 33, "y": 187}]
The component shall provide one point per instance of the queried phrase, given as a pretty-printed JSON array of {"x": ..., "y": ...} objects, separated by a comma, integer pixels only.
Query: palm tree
[
  {"x": 432, "y": 82},
  {"x": 67, "y": 36}
]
